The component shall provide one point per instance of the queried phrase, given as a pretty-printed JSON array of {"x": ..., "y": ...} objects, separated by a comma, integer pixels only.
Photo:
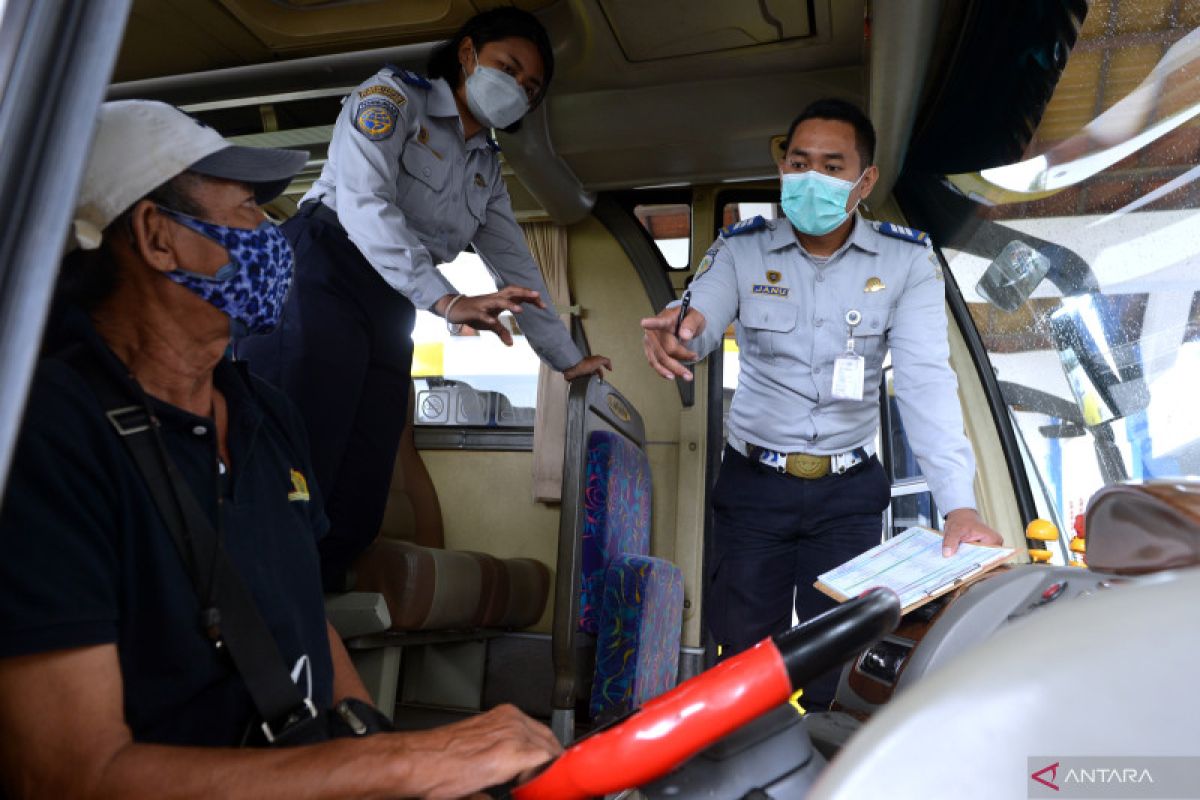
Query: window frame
[{"x": 62, "y": 55}]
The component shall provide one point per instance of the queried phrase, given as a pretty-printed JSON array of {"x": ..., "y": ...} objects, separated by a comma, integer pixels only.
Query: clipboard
[{"x": 912, "y": 565}]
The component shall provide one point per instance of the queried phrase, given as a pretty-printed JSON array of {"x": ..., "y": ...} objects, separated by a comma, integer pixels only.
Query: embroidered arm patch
[
  {"x": 375, "y": 118},
  {"x": 707, "y": 262},
  {"x": 386, "y": 91}
]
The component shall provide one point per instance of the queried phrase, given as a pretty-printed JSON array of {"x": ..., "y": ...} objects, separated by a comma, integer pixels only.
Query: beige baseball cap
[{"x": 141, "y": 144}]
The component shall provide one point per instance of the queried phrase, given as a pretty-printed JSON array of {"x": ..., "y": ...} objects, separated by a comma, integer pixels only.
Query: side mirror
[{"x": 1012, "y": 276}]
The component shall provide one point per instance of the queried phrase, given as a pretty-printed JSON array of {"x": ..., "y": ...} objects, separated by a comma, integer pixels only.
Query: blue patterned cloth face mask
[
  {"x": 251, "y": 288},
  {"x": 814, "y": 202}
]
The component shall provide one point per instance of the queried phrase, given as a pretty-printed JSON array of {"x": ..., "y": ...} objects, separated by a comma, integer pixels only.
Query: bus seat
[
  {"x": 608, "y": 590},
  {"x": 528, "y": 590},
  {"x": 428, "y": 587},
  {"x": 637, "y": 649},
  {"x": 617, "y": 518}
]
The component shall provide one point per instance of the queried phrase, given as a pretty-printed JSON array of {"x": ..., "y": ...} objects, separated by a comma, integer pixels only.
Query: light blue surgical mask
[
  {"x": 813, "y": 202},
  {"x": 494, "y": 97}
]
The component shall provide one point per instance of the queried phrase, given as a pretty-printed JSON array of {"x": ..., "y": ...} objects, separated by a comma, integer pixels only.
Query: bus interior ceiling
[{"x": 644, "y": 93}]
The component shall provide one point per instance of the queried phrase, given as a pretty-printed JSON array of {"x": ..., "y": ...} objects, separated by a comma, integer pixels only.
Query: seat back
[
  {"x": 616, "y": 516},
  {"x": 637, "y": 648},
  {"x": 1137, "y": 528},
  {"x": 428, "y": 587},
  {"x": 607, "y": 586}
]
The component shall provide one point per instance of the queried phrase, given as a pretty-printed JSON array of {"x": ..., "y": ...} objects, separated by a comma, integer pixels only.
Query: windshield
[{"x": 1082, "y": 267}]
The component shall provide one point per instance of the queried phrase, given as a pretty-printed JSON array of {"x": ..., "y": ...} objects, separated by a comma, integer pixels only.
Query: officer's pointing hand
[
  {"x": 483, "y": 311},
  {"x": 663, "y": 350}
]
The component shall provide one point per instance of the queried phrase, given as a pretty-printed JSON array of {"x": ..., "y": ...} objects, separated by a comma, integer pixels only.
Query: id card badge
[
  {"x": 848, "y": 371},
  {"x": 849, "y": 368}
]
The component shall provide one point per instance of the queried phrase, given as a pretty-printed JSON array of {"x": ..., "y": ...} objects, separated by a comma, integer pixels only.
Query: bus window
[
  {"x": 1081, "y": 267},
  {"x": 670, "y": 226},
  {"x": 471, "y": 379}
]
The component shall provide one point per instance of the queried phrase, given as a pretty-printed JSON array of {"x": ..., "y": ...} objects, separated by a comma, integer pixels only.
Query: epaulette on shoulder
[
  {"x": 756, "y": 223},
  {"x": 410, "y": 77},
  {"x": 492, "y": 144},
  {"x": 900, "y": 232}
]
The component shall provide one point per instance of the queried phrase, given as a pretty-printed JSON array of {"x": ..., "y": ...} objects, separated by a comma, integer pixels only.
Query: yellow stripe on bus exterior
[{"x": 429, "y": 360}]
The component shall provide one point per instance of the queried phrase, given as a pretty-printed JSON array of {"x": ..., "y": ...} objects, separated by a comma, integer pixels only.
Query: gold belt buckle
[{"x": 809, "y": 467}]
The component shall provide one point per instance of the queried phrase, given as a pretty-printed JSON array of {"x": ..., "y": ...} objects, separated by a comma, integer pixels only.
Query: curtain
[{"x": 548, "y": 243}]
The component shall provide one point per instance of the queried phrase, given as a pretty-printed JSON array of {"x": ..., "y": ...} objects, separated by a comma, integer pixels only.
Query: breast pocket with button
[
  {"x": 763, "y": 324},
  {"x": 423, "y": 166},
  {"x": 870, "y": 335}
]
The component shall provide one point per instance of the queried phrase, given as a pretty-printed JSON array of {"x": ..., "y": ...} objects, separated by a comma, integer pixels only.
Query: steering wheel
[{"x": 674, "y": 726}]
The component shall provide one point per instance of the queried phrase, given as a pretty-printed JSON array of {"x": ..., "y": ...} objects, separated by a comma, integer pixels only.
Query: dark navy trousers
[
  {"x": 774, "y": 534},
  {"x": 343, "y": 354}
]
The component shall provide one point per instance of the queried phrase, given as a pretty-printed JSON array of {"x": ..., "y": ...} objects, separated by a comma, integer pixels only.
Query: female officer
[{"x": 412, "y": 178}]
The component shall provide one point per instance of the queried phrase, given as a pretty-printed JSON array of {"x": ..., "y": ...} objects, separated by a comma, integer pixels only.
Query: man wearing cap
[
  {"x": 818, "y": 298},
  {"x": 109, "y": 685}
]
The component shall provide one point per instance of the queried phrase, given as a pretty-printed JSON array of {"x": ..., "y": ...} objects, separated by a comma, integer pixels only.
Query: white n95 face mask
[{"x": 495, "y": 97}]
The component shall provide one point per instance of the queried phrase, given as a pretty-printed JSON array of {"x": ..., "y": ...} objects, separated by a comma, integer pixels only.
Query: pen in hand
[{"x": 683, "y": 310}]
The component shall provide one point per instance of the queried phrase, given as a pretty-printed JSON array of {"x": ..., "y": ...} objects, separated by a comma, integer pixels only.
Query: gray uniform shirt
[
  {"x": 790, "y": 313},
  {"x": 411, "y": 193}
]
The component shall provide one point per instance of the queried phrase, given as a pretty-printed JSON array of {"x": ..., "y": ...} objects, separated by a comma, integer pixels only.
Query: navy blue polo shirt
[{"x": 86, "y": 559}]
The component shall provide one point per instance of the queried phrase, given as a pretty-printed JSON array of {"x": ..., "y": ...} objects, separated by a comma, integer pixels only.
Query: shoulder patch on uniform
[
  {"x": 707, "y": 261},
  {"x": 410, "y": 77},
  {"x": 900, "y": 232},
  {"x": 383, "y": 90},
  {"x": 375, "y": 118},
  {"x": 756, "y": 223}
]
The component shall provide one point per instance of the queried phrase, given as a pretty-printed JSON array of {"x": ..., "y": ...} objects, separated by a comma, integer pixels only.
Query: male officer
[{"x": 818, "y": 302}]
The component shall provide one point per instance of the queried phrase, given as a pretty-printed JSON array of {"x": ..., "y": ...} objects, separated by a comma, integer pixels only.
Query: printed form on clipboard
[{"x": 911, "y": 564}]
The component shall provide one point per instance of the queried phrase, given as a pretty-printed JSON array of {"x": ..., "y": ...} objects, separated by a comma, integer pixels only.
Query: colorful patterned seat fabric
[
  {"x": 617, "y": 515},
  {"x": 637, "y": 649}
]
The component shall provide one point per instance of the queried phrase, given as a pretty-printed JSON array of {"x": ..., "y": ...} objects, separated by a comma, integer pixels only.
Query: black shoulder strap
[{"x": 228, "y": 614}]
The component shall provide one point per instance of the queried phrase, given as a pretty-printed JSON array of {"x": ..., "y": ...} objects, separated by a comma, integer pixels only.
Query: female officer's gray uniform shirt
[
  {"x": 412, "y": 194},
  {"x": 790, "y": 308}
]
